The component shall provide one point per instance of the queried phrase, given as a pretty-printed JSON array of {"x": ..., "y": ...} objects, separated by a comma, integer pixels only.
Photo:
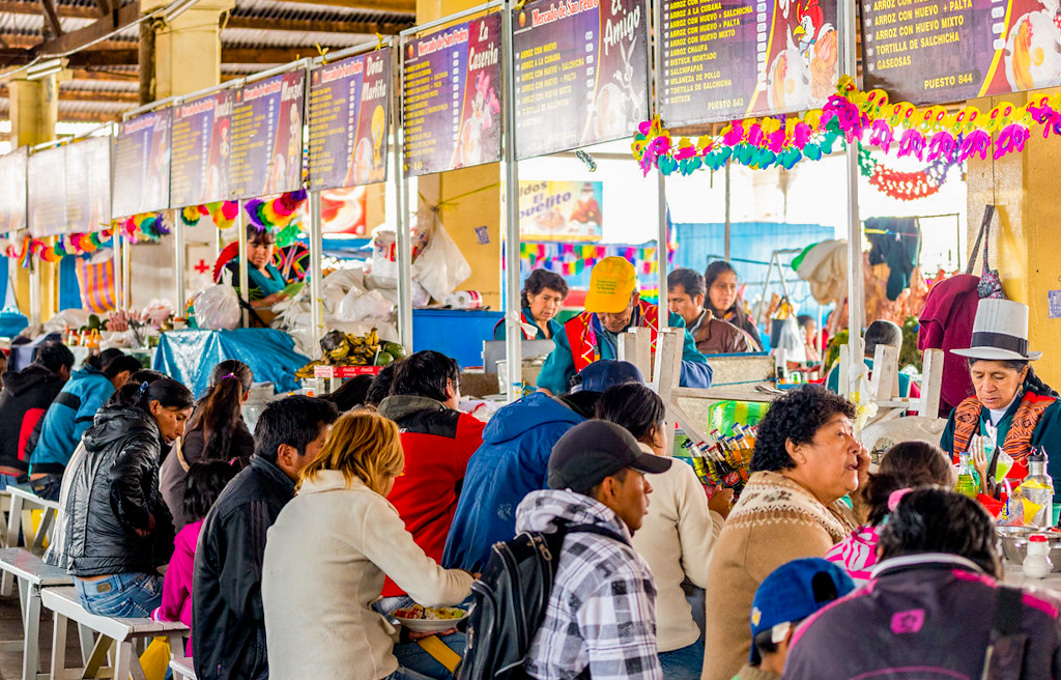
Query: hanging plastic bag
[
  {"x": 441, "y": 266},
  {"x": 384, "y": 258},
  {"x": 359, "y": 305},
  {"x": 218, "y": 308},
  {"x": 155, "y": 659}
]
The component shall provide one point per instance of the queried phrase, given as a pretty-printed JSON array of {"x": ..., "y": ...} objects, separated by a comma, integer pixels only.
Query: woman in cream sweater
[
  {"x": 678, "y": 531},
  {"x": 806, "y": 460},
  {"x": 328, "y": 553}
]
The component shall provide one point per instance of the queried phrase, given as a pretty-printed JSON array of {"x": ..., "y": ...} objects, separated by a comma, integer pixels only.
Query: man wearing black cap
[
  {"x": 602, "y": 613},
  {"x": 514, "y": 459}
]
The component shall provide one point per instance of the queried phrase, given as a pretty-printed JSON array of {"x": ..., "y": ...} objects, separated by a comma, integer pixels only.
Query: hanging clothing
[
  {"x": 527, "y": 319},
  {"x": 895, "y": 241},
  {"x": 946, "y": 324}
]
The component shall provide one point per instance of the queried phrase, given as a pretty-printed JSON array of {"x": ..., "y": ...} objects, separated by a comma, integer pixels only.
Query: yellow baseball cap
[{"x": 611, "y": 283}]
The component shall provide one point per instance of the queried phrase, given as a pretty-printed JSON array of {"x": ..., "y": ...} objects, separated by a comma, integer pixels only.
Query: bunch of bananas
[{"x": 344, "y": 349}]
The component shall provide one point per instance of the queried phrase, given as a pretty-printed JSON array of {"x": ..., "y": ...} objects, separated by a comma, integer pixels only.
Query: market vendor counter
[{"x": 190, "y": 356}]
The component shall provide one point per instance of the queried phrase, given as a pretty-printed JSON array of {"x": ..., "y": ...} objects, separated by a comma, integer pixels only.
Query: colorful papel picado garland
[
  {"x": 278, "y": 215},
  {"x": 904, "y": 186},
  {"x": 929, "y": 134}
]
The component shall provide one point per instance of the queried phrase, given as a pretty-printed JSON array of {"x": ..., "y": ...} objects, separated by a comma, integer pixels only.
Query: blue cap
[
  {"x": 600, "y": 375},
  {"x": 793, "y": 592}
]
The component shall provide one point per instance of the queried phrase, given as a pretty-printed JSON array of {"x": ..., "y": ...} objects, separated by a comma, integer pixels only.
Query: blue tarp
[{"x": 189, "y": 356}]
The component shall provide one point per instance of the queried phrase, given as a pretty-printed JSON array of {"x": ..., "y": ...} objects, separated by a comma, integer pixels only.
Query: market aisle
[{"x": 11, "y": 629}]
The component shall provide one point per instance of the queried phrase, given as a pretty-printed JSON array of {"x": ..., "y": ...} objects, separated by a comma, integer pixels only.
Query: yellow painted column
[
  {"x": 188, "y": 49},
  {"x": 34, "y": 108},
  {"x": 1023, "y": 243},
  {"x": 472, "y": 197}
]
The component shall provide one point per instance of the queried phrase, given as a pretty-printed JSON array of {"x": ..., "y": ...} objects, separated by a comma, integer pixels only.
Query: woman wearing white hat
[{"x": 1012, "y": 408}]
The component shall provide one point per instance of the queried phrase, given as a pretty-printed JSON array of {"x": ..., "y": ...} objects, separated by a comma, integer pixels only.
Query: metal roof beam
[
  {"x": 83, "y": 37},
  {"x": 229, "y": 55},
  {"x": 51, "y": 18},
  {"x": 317, "y": 25}
]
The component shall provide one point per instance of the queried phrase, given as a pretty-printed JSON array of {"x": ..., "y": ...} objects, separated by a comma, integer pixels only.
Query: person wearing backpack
[
  {"x": 601, "y": 614},
  {"x": 514, "y": 460}
]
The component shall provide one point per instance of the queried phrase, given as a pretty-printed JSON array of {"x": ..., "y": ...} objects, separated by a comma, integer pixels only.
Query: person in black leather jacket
[
  {"x": 228, "y": 620},
  {"x": 118, "y": 530}
]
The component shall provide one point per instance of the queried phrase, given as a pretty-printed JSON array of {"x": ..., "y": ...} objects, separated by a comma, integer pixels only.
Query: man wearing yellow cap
[{"x": 613, "y": 306}]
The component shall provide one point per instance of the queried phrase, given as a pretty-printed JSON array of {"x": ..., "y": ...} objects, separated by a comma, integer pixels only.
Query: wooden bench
[
  {"x": 183, "y": 669},
  {"x": 20, "y": 523},
  {"x": 120, "y": 633},
  {"x": 32, "y": 575}
]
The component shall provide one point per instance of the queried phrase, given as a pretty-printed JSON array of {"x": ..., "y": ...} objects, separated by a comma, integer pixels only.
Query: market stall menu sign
[
  {"x": 141, "y": 164},
  {"x": 452, "y": 112},
  {"x": 581, "y": 73},
  {"x": 348, "y": 121},
  {"x": 200, "y": 150},
  {"x": 267, "y": 137},
  {"x": 929, "y": 52},
  {"x": 46, "y": 187},
  {"x": 88, "y": 185},
  {"x": 13, "y": 197},
  {"x": 727, "y": 59}
]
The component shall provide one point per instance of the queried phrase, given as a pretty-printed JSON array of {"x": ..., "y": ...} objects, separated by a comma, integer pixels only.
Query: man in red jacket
[{"x": 438, "y": 441}]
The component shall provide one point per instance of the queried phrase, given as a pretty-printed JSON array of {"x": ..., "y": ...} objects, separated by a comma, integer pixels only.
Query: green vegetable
[{"x": 394, "y": 349}]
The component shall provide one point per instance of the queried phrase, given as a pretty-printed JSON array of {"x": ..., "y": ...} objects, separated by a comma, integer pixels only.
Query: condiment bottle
[
  {"x": 1038, "y": 488},
  {"x": 1037, "y": 562}
]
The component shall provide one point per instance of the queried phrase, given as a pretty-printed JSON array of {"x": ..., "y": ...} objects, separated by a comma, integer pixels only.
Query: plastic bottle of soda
[{"x": 966, "y": 485}]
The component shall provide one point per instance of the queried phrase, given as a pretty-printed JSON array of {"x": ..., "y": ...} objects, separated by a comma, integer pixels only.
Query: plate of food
[{"x": 429, "y": 619}]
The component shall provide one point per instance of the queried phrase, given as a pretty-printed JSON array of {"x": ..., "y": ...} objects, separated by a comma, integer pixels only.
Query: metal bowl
[{"x": 1014, "y": 543}]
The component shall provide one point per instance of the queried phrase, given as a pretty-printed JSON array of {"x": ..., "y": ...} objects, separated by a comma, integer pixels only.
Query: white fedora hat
[{"x": 1000, "y": 332}]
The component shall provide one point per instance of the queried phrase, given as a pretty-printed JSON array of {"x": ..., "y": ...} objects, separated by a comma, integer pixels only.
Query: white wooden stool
[{"x": 121, "y": 633}]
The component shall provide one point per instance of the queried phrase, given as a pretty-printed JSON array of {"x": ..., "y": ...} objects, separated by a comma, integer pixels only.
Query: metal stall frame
[
  {"x": 316, "y": 237},
  {"x": 403, "y": 236},
  {"x": 856, "y": 297}
]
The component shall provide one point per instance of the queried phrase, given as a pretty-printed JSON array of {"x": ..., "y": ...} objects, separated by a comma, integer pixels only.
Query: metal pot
[{"x": 1014, "y": 544}]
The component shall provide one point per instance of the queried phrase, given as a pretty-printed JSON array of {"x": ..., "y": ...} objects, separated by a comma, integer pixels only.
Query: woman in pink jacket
[{"x": 203, "y": 485}]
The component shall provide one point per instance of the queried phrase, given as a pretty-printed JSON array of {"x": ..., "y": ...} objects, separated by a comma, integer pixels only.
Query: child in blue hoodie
[{"x": 60, "y": 430}]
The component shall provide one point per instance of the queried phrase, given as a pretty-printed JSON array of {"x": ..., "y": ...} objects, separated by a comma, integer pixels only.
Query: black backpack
[{"x": 509, "y": 602}]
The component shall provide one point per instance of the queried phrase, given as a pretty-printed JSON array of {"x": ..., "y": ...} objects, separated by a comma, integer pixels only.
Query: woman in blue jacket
[{"x": 542, "y": 296}]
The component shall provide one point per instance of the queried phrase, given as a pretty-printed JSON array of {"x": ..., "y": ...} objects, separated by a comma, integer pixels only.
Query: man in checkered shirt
[{"x": 601, "y": 617}]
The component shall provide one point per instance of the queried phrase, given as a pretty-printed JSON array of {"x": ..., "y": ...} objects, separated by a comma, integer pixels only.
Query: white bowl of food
[{"x": 429, "y": 619}]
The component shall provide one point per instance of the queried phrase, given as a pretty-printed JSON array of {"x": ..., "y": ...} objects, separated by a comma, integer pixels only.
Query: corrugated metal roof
[{"x": 246, "y": 37}]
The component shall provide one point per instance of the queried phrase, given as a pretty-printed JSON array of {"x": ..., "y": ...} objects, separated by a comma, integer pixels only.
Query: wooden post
[
  {"x": 886, "y": 372},
  {"x": 931, "y": 382},
  {"x": 146, "y": 51}
]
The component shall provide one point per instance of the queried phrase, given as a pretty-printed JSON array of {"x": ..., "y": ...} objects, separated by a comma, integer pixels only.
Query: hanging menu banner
[
  {"x": 46, "y": 188},
  {"x": 349, "y": 104},
  {"x": 929, "y": 52},
  {"x": 581, "y": 73},
  {"x": 13, "y": 198},
  {"x": 726, "y": 59},
  {"x": 88, "y": 185},
  {"x": 452, "y": 112},
  {"x": 267, "y": 137},
  {"x": 200, "y": 150},
  {"x": 141, "y": 164}
]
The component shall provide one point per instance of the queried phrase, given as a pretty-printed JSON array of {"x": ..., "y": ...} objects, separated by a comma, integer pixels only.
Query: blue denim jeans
[
  {"x": 686, "y": 663},
  {"x": 413, "y": 657},
  {"x": 122, "y": 596},
  {"x": 405, "y": 674}
]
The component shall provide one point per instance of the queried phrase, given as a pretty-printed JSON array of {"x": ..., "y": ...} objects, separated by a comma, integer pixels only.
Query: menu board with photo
[
  {"x": 561, "y": 211},
  {"x": 46, "y": 189},
  {"x": 88, "y": 185},
  {"x": 266, "y": 153},
  {"x": 581, "y": 73},
  {"x": 928, "y": 52},
  {"x": 727, "y": 59},
  {"x": 13, "y": 198},
  {"x": 200, "y": 150},
  {"x": 349, "y": 107},
  {"x": 452, "y": 110},
  {"x": 141, "y": 164}
]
